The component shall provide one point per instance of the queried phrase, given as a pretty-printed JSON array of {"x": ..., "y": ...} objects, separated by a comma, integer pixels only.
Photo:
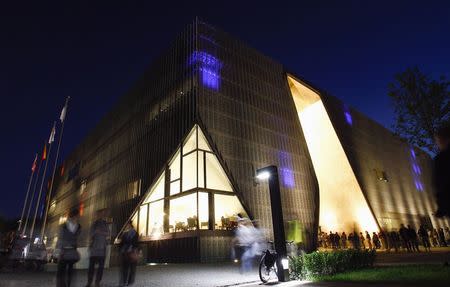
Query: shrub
[{"x": 318, "y": 264}]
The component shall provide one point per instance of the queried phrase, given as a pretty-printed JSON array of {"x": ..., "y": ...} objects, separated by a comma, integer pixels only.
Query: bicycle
[{"x": 267, "y": 265}]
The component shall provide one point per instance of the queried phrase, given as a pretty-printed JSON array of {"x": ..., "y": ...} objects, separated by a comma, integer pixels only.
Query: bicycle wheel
[{"x": 267, "y": 273}]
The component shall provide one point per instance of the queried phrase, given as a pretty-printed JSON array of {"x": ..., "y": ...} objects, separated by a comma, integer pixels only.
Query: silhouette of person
[{"x": 441, "y": 178}]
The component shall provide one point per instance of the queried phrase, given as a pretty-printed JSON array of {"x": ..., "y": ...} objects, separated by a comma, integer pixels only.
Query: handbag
[
  {"x": 70, "y": 255},
  {"x": 133, "y": 256}
]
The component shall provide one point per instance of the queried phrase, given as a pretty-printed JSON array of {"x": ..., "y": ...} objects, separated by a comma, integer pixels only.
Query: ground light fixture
[{"x": 270, "y": 173}]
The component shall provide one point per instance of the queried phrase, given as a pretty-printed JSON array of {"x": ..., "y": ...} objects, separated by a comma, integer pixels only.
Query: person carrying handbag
[
  {"x": 129, "y": 252},
  {"x": 66, "y": 248}
]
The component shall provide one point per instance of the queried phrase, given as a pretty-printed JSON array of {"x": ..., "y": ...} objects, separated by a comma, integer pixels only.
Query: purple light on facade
[
  {"x": 413, "y": 153},
  {"x": 348, "y": 115},
  {"x": 287, "y": 177},
  {"x": 209, "y": 67}
]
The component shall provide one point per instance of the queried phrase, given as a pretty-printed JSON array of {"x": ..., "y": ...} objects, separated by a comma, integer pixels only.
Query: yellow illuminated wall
[{"x": 342, "y": 204}]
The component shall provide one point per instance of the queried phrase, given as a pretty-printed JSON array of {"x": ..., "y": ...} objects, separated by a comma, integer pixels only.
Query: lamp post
[{"x": 271, "y": 173}]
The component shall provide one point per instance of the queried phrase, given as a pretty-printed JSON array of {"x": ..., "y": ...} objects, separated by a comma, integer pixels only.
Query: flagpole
[
  {"x": 42, "y": 181},
  {"x": 26, "y": 197},
  {"x": 47, "y": 206},
  {"x": 32, "y": 197}
]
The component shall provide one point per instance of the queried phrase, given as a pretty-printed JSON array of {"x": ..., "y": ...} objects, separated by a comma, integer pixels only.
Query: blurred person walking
[
  {"x": 66, "y": 249},
  {"x": 99, "y": 235}
]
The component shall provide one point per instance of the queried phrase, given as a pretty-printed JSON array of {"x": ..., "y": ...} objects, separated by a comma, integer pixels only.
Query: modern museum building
[{"x": 177, "y": 156}]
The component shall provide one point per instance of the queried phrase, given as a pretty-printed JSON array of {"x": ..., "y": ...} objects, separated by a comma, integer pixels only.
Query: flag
[
  {"x": 44, "y": 153},
  {"x": 52, "y": 135},
  {"x": 63, "y": 113},
  {"x": 33, "y": 167}
]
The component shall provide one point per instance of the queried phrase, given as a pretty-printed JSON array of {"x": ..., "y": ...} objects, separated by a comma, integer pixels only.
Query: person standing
[
  {"x": 369, "y": 240},
  {"x": 414, "y": 241},
  {"x": 441, "y": 236},
  {"x": 66, "y": 249},
  {"x": 99, "y": 235},
  {"x": 128, "y": 248},
  {"x": 362, "y": 240},
  {"x": 434, "y": 237},
  {"x": 423, "y": 234},
  {"x": 376, "y": 240},
  {"x": 344, "y": 240},
  {"x": 382, "y": 235},
  {"x": 441, "y": 178},
  {"x": 405, "y": 237}
]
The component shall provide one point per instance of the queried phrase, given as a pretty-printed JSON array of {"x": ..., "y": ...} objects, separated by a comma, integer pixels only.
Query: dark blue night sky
[{"x": 95, "y": 52}]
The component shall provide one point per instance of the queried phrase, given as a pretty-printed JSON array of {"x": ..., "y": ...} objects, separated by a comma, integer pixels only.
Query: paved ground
[{"x": 207, "y": 275}]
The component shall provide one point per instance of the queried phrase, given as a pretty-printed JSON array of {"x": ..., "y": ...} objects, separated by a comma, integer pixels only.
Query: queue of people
[{"x": 406, "y": 238}]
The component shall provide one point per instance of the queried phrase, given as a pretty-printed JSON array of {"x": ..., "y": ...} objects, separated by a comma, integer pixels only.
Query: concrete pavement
[{"x": 207, "y": 275}]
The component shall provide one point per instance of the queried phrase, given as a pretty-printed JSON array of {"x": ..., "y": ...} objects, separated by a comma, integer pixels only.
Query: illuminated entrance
[
  {"x": 191, "y": 193},
  {"x": 342, "y": 203}
]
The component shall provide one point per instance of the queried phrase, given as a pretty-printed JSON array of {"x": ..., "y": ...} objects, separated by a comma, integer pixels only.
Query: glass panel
[
  {"x": 226, "y": 208},
  {"x": 157, "y": 191},
  {"x": 215, "y": 176},
  {"x": 143, "y": 221},
  {"x": 190, "y": 171},
  {"x": 183, "y": 213},
  {"x": 174, "y": 167},
  {"x": 156, "y": 219},
  {"x": 202, "y": 142},
  {"x": 201, "y": 169},
  {"x": 174, "y": 187},
  {"x": 191, "y": 142},
  {"x": 203, "y": 210}
]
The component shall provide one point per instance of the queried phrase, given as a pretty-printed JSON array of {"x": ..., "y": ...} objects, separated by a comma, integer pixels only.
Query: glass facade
[{"x": 193, "y": 192}]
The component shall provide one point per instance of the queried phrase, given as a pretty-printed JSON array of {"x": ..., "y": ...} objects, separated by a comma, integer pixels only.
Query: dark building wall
[
  {"x": 113, "y": 167},
  {"x": 251, "y": 118},
  {"x": 377, "y": 155}
]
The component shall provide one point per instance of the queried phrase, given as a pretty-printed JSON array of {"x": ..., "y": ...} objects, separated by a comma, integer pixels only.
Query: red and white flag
[{"x": 33, "y": 166}]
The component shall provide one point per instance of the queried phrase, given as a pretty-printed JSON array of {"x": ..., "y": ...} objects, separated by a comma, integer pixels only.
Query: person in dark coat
[
  {"x": 423, "y": 234},
  {"x": 128, "y": 248},
  {"x": 99, "y": 234},
  {"x": 441, "y": 171},
  {"x": 66, "y": 249},
  {"x": 404, "y": 235},
  {"x": 413, "y": 239}
]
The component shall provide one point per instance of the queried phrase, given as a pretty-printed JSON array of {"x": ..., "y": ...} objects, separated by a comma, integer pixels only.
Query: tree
[{"x": 421, "y": 105}]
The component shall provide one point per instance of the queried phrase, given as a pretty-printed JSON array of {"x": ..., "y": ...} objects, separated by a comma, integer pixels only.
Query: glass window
[
  {"x": 215, "y": 176},
  {"x": 174, "y": 167},
  {"x": 191, "y": 142},
  {"x": 143, "y": 220},
  {"x": 203, "y": 210},
  {"x": 175, "y": 187},
  {"x": 226, "y": 208},
  {"x": 156, "y": 219},
  {"x": 183, "y": 213},
  {"x": 202, "y": 142},
  {"x": 157, "y": 190},
  {"x": 190, "y": 171},
  {"x": 201, "y": 169}
]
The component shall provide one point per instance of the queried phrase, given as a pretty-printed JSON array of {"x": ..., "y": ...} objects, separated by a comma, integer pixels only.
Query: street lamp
[{"x": 271, "y": 173}]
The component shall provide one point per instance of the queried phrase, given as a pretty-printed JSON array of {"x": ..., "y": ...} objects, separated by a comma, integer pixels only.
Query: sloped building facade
[{"x": 177, "y": 156}]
